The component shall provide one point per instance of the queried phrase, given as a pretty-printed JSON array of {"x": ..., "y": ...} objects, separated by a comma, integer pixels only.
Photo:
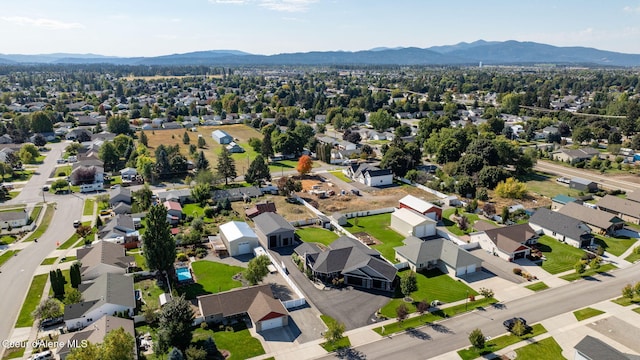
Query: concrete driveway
[
  {"x": 497, "y": 266},
  {"x": 355, "y": 308}
]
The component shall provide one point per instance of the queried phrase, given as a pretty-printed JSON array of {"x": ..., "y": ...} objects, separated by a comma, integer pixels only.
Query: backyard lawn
[
  {"x": 34, "y": 295},
  {"x": 545, "y": 349},
  {"x": 239, "y": 342},
  {"x": 432, "y": 285},
  {"x": 211, "y": 277},
  {"x": 614, "y": 246},
  {"x": 499, "y": 343},
  {"x": 318, "y": 235},
  {"x": 150, "y": 292},
  {"x": 559, "y": 257},
  {"x": 378, "y": 227},
  {"x": 452, "y": 226},
  {"x": 586, "y": 313}
]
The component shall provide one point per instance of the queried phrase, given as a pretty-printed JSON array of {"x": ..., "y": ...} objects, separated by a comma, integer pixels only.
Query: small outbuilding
[
  {"x": 238, "y": 237},
  {"x": 581, "y": 184},
  {"x": 410, "y": 223},
  {"x": 221, "y": 137},
  {"x": 420, "y": 206}
]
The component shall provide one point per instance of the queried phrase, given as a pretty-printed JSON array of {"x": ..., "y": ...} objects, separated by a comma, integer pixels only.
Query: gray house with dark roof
[
  {"x": 599, "y": 221},
  {"x": 437, "y": 253},
  {"x": 273, "y": 230},
  {"x": 119, "y": 195},
  {"x": 590, "y": 348},
  {"x": 349, "y": 260},
  {"x": 561, "y": 227},
  {"x": 509, "y": 242},
  {"x": 101, "y": 258}
]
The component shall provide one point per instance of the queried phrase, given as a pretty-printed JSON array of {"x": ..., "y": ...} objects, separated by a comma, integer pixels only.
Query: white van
[{"x": 45, "y": 355}]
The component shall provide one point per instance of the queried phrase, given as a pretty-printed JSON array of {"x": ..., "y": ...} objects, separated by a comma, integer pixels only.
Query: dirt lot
[
  {"x": 291, "y": 212},
  {"x": 532, "y": 201}
]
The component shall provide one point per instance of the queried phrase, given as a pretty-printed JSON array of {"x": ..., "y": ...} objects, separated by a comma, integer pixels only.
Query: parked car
[
  {"x": 45, "y": 188},
  {"x": 510, "y": 323},
  {"x": 44, "y": 355},
  {"x": 62, "y": 161},
  {"x": 51, "y": 322},
  {"x": 105, "y": 212},
  {"x": 77, "y": 224}
]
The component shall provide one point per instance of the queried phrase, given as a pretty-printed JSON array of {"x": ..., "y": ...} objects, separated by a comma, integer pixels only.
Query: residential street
[{"x": 605, "y": 180}]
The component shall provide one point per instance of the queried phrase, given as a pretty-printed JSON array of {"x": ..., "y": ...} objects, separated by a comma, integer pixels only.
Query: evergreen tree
[
  {"x": 258, "y": 170},
  {"x": 201, "y": 161},
  {"x": 211, "y": 348},
  {"x": 175, "y": 324},
  {"x": 175, "y": 354},
  {"x": 144, "y": 140},
  {"x": 267, "y": 147},
  {"x": 226, "y": 166},
  {"x": 74, "y": 275},
  {"x": 185, "y": 138},
  {"x": 201, "y": 142},
  {"x": 159, "y": 246}
]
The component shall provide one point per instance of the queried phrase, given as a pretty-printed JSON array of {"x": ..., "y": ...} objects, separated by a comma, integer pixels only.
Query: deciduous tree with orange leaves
[{"x": 305, "y": 163}]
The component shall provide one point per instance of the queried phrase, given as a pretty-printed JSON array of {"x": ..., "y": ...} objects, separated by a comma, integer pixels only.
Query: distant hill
[{"x": 487, "y": 52}]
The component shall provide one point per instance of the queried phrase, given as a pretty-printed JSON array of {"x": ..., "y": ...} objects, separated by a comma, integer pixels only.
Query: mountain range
[{"x": 486, "y": 52}]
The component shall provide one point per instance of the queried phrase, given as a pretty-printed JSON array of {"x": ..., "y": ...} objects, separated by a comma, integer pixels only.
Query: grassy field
[
  {"x": 589, "y": 272},
  {"x": 44, "y": 224},
  {"x": 546, "y": 185},
  {"x": 239, "y": 342},
  {"x": 614, "y": 246},
  {"x": 559, "y": 257},
  {"x": 378, "y": 227},
  {"x": 432, "y": 285},
  {"x": 318, "y": 235},
  {"x": 88, "y": 206},
  {"x": 499, "y": 343},
  {"x": 34, "y": 296},
  {"x": 211, "y": 277},
  {"x": 545, "y": 349},
  {"x": 340, "y": 175},
  {"x": 537, "y": 286},
  {"x": 4, "y": 257},
  {"x": 586, "y": 313}
]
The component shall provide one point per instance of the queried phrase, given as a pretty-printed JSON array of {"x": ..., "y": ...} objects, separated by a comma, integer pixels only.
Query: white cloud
[
  {"x": 631, "y": 9},
  {"x": 287, "y": 5},
  {"x": 42, "y": 23}
]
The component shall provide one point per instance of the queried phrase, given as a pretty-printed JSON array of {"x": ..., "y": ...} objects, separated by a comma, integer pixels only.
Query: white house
[
  {"x": 15, "y": 219},
  {"x": 238, "y": 237},
  {"x": 369, "y": 175},
  {"x": 410, "y": 223}
]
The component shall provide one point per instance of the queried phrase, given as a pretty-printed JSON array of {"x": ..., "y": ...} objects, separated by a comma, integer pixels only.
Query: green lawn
[
  {"x": 623, "y": 301},
  {"x": 211, "y": 277},
  {"x": 240, "y": 344},
  {"x": 150, "y": 292},
  {"x": 635, "y": 256},
  {"x": 432, "y": 285},
  {"x": 418, "y": 321},
  {"x": 7, "y": 239},
  {"x": 14, "y": 353},
  {"x": 68, "y": 258},
  {"x": 586, "y": 313},
  {"x": 318, "y": 235},
  {"x": 340, "y": 175},
  {"x": 35, "y": 213},
  {"x": 193, "y": 210},
  {"x": 545, "y": 349},
  {"x": 4, "y": 257},
  {"x": 140, "y": 260},
  {"x": 499, "y": 343},
  {"x": 559, "y": 257},
  {"x": 546, "y": 185},
  {"x": 537, "y": 286},
  {"x": 48, "y": 261},
  {"x": 378, "y": 227},
  {"x": 614, "y": 246},
  {"x": 44, "y": 224},
  {"x": 70, "y": 242},
  {"x": 340, "y": 344},
  {"x": 452, "y": 226},
  {"x": 589, "y": 272},
  {"x": 637, "y": 310},
  {"x": 88, "y": 206},
  {"x": 34, "y": 295},
  {"x": 64, "y": 170}
]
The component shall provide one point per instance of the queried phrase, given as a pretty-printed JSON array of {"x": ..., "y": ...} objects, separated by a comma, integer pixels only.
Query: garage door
[
  {"x": 244, "y": 248},
  {"x": 420, "y": 231},
  {"x": 272, "y": 323},
  {"x": 460, "y": 271},
  {"x": 471, "y": 269}
]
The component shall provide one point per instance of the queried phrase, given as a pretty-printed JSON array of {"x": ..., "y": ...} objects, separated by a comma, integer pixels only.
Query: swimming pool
[{"x": 183, "y": 274}]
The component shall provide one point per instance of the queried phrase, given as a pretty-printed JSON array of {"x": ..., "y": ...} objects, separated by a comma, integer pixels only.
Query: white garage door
[
  {"x": 471, "y": 269},
  {"x": 244, "y": 248},
  {"x": 272, "y": 323},
  {"x": 420, "y": 231},
  {"x": 460, "y": 271}
]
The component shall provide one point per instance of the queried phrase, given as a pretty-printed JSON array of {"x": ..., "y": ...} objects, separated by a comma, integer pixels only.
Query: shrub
[
  {"x": 182, "y": 257},
  {"x": 204, "y": 325},
  {"x": 476, "y": 338},
  {"x": 201, "y": 253}
]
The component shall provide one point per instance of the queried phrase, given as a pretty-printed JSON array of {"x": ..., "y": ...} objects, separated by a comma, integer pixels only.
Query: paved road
[
  {"x": 452, "y": 334},
  {"x": 604, "y": 180},
  {"x": 16, "y": 274}
]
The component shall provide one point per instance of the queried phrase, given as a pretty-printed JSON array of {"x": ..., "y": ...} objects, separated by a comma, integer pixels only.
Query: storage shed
[{"x": 238, "y": 237}]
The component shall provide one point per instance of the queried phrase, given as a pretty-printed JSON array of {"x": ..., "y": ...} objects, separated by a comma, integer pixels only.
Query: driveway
[
  {"x": 355, "y": 308},
  {"x": 497, "y": 266}
]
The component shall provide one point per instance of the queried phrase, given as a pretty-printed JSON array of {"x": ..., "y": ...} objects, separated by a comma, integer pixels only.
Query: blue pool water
[{"x": 183, "y": 274}]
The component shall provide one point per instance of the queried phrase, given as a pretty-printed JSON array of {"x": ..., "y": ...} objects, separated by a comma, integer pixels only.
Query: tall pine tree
[
  {"x": 258, "y": 170},
  {"x": 226, "y": 166},
  {"x": 159, "y": 246}
]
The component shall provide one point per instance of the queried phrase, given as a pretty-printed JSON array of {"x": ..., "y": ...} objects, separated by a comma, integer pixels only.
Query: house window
[{"x": 554, "y": 233}]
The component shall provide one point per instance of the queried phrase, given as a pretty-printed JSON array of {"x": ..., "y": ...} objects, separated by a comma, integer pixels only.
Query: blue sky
[{"x": 158, "y": 27}]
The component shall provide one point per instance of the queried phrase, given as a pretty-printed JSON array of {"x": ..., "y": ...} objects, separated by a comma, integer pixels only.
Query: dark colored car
[
  {"x": 51, "y": 322},
  {"x": 510, "y": 323}
]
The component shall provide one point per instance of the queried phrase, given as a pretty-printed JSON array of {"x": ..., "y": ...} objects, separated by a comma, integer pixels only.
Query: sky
[{"x": 161, "y": 27}]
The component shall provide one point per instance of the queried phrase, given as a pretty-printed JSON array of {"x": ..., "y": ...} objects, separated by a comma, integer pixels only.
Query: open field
[{"x": 546, "y": 185}]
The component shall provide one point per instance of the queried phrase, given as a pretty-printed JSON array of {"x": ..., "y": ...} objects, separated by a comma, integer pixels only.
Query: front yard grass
[
  {"x": 500, "y": 343},
  {"x": 88, "y": 206},
  {"x": 378, "y": 227},
  {"x": 589, "y": 272},
  {"x": 44, "y": 224},
  {"x": 340, "y": 344},
  {"x": 49, "y": 261},
  {"x": 34, "y": 296},
  {"x": 545, "y": 349},
  {"x": 432, "y": 285},
  {"x": 559, "y": 257},
  {"x": 614, "y": 246},
  {"x": 539, "y": 286},
  {"x": 318, "y": 235},
  {"x": 340, "y": 175},
  {"x": 239, "y": 342},
  {"x": 637, "y": 310},
  {"x": 68, "y": 258},
  {"x": 4, "y": 257},
  {"x": 586, "y": 313},
  {"x": 211, "y": 277},
  {"x": 635, "y": 256},
  {"x": 7, "y": 239},
  {"x": 625, "y": 301}
]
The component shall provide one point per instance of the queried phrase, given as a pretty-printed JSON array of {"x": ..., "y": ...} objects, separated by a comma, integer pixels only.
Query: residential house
[
  {"x": 421, "y": 206},
  {"x": 221, "y": 137},
  {"x": 273, "y": 230},
  {"x": 439, "y": 253},
  {"x": 128, "y": 173},
  {"x": 6, "y": 139},
  {"x": 265, "y": 311},
  {"x": 561, "y": 227},
  {"x": 74, "y": 134},
  {"x": 581, "y": 184},
  {"x": 179, "y": 195},
  {"x": 108, "y": 294},
  {"x": 340, "y": 218},
  {"x": 407, "y": 222},
  {"x": 259, "y": 208},
  {"x": 349, "y": 260},
  {"x": 119, "y": 195},
  {"x": 509, "y": 242},
  {"x": 174, "y": 211},
  {"x": 101, "y": 258},
  {"x": 236, "y": 194},
  {"x": 94, "y": 335},
  {"x": 599, "y": 221},
  {"x": 122, "y": 208},
  {"x": 103, "y": 136},
  {"x": 591, "y": 348},
  {"x": 119, "y": 229},
  {"x": 238, "y": 237},
  {"x": 88, "y": 121},
  {"x": 559, "y": 201},
  {"x": 369, "y": 175},
  {"x": 172, "y": 125},
  {"x": 573, "y": 156},
  {"x": 49, "y": 136},
  {"x": 235, "y": 148},
  {"x": 626, "y": 209},
  {"x": 82, "y": 174},
  {"x": 13, "y": 219}
]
